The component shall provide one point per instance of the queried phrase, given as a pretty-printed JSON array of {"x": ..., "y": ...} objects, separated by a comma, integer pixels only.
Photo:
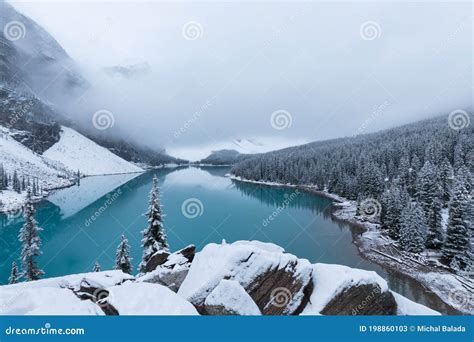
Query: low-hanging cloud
[{"x": 219, "y": 71}]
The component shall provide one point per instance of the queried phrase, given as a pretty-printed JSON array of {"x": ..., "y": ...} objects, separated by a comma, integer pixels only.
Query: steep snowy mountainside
[
  {"x": 80, "y": 153},
  {"x": 33, "y": 61},
  {"x": 16, "y": 157}
]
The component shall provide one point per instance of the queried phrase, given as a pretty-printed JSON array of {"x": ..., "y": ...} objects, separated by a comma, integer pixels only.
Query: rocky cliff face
[{"x": 242, "y": 278}]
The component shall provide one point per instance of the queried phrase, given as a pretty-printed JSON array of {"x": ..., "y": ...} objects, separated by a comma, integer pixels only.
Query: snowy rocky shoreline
[
  {"x": 454, "y": 290},
  {"x": 242, "y": 278}
]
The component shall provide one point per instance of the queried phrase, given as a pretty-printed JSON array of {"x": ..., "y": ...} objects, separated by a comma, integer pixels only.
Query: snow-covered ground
[
  {"x": 244, "y": 146},
  {"x": 80, "y": 153}
]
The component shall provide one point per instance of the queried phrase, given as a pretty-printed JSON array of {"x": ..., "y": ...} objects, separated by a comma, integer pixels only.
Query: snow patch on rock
[
  {"x": 329, "y": 280},
  {"x": 230, "y": 298}
]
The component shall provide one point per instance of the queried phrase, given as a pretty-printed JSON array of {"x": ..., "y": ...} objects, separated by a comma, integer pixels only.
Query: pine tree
[
  {"x": 457, "y": 245},
  {"x": 122, "y": 256},
  {"x": 393, "y": 201},
  {"x": 154, "y": 236},
  {"x": 13, "y": 279},
  {"x": 96, "y": 267},
  {"x": 446, "y": 177},
  {"x": 428, "y": 196},
  {"x": 412, "y": 228},
  {"x": 31, "y": 242}
]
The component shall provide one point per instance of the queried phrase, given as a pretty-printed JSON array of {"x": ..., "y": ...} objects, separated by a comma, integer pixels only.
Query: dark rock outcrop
[
  {"x": 91, "y": 290},
  {"x": 367, "y": 299},
  {"x": 168, "y": 269}
]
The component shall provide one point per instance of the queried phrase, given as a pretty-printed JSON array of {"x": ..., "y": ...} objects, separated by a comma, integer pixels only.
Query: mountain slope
[
  {"x": 16, "y": 157},
  {"x": 38, "y": 79},
  {"x": 80, "y": 153}
]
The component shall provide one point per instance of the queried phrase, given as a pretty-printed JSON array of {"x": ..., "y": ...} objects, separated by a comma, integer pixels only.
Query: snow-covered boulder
[
  {"x": 148, "y": 299},
  {"x": 279, "y": 283},
  {"x": 341, "y": 290},
  {"x": 44, "y": 301},
  {"x": 229, "y": 298},
  {"x": 167, "y": 269}
]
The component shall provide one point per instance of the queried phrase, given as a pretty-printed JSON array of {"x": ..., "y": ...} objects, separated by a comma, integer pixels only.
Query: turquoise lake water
[{"x": 83, "y": 224}]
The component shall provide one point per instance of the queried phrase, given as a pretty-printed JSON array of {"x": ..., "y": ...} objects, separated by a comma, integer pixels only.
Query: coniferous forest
[{"x": 413, "y": 174}]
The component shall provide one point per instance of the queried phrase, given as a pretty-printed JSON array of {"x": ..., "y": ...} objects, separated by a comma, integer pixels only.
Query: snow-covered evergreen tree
[
  {"x": 154, "y": 236},
  {"x": 31, "y": 242},
  {"x": 457, "y": 245},
  {"x": 446, "y": 178},
  {"x": 393, "y": 201},
  {"x": 13, "y": 279},
  {"x": 428, "y": 196},
  {"x": 123, "y": 260},
  {"x": 412, "y": 228},
  {"x": 96, "y": 267}
]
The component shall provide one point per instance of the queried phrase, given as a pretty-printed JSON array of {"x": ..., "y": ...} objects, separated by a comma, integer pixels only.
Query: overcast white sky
[{"x": 251, "y": 59}]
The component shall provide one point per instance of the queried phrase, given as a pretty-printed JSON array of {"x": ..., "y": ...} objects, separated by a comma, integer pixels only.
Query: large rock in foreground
[
  {"x": 279, "y": 283},
  {"x": 169, "y": 269},
  {"x": 341, "y": 290}
]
